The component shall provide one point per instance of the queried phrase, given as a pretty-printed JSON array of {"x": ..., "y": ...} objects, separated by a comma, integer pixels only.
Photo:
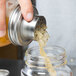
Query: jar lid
[{"x": 4, "y": 72}]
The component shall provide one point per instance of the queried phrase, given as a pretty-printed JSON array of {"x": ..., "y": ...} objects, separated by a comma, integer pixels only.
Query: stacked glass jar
[{"x": 35, "y": 64}]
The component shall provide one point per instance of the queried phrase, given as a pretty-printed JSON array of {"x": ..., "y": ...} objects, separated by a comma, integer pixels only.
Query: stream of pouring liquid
[
  {"x": 41, "y": 37},
  {"x": 48, "y": 64}
]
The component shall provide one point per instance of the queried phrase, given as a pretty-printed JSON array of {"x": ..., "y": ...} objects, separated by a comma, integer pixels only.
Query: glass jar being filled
[{"x": 35, "y": 64}]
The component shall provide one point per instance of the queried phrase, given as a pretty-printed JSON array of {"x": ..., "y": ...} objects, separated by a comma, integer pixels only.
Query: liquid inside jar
[
  {"x": 4, "y": 40},
  {"x": 10, "y": 5}
]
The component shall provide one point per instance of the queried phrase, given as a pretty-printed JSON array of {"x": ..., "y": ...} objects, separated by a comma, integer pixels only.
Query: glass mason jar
[
  {"x": 35, "y": 65},
  {"x": 10, "y": 5}
]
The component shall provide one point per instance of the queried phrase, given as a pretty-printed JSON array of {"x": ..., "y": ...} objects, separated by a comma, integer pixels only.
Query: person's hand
[{"x": 26, "y": 9}]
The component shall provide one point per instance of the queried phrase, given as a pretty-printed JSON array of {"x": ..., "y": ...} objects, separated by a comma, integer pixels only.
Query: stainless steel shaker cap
[{"x": 21, "y": 32}]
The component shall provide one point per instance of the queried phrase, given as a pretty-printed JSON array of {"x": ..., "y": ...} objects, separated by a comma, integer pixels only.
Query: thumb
[
  {"x": 2, "y": 18},
  {"x": 27, "y": 9}
]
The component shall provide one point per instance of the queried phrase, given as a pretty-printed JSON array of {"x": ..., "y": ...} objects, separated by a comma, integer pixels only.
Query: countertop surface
[{"x": 15, "y": 66}]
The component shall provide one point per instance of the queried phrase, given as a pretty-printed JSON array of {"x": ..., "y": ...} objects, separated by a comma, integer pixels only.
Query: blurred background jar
[{"x": 35, "y": 64}]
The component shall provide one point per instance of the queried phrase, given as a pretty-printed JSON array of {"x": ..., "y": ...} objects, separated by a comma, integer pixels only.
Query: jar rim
[
  {"x": 56, "y": 54},
  {"x": 51, "y": 47}
]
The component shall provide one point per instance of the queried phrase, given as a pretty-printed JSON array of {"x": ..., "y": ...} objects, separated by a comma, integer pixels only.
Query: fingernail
[
  {"x": 2, "y": 33},
  {"x": 29, "y": 16}
]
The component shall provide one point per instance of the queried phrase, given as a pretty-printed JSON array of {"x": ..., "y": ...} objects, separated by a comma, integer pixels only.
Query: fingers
[
  {"x": 26, "y": 9},
  {"x": 2, "y": 18}
]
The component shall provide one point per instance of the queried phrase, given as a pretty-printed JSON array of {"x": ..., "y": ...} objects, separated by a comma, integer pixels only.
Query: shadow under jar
[{"x": 35, "y": 63}]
